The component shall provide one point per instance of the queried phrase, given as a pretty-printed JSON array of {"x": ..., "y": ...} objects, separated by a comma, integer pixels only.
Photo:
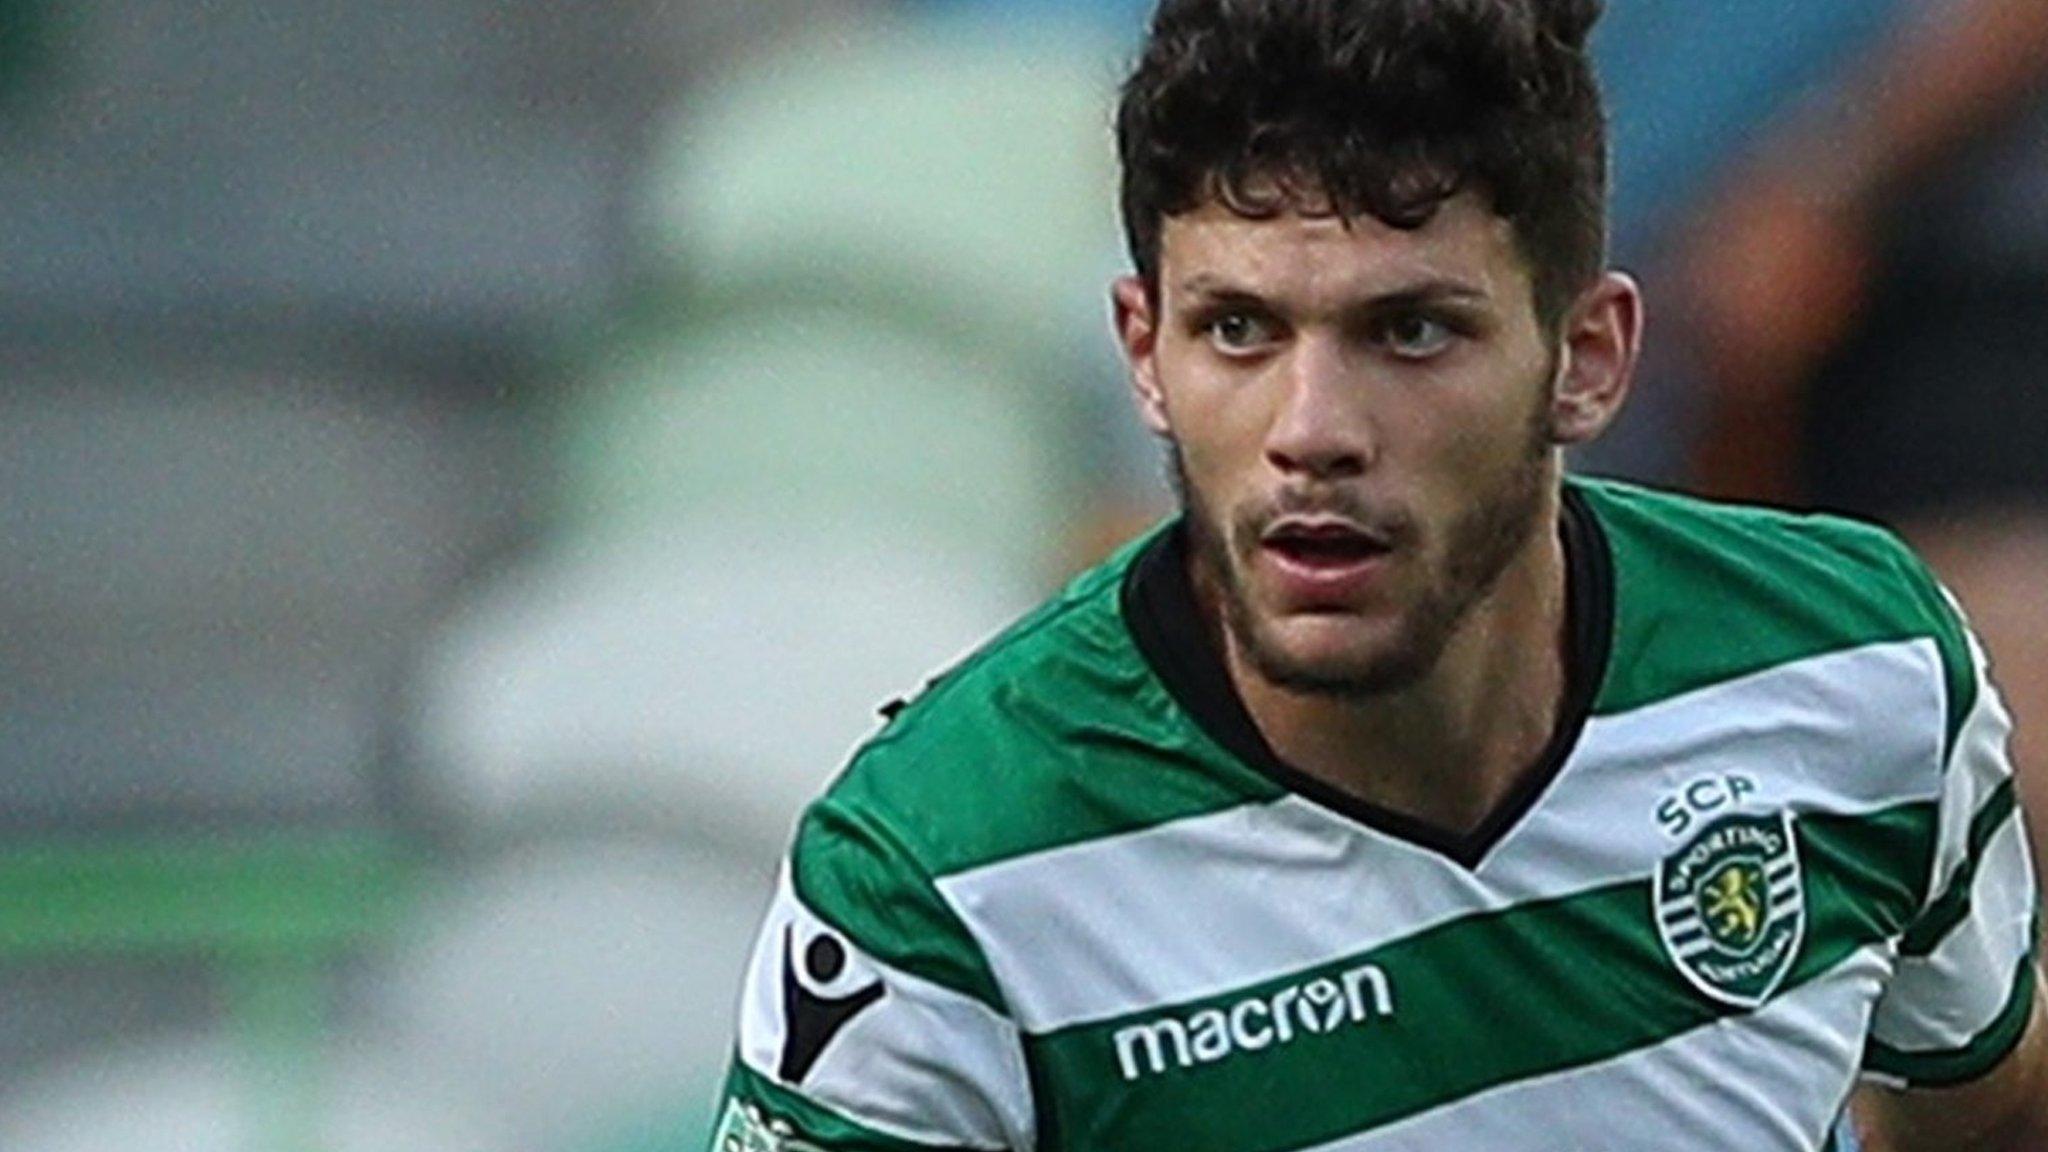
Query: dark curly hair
[{"x": 1387, "y": 107}]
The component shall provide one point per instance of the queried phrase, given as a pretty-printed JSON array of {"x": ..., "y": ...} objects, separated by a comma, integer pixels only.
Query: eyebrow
[{"x": 1426, "y": 291}]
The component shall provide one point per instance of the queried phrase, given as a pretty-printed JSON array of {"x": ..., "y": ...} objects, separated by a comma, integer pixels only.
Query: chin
[{"x": 1335, "y": 656}]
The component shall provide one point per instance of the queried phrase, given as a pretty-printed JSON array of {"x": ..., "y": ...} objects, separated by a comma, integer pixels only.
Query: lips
[
  {"x": 1323, "y": 542},
  {"x": 1320, "y": 560}
]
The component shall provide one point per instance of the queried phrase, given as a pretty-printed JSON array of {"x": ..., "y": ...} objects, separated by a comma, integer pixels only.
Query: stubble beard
[{"x": 1479, "y": 547}]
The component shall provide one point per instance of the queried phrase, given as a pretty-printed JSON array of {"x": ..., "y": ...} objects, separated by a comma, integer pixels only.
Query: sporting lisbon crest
[{"x": 1731, "y": 907}]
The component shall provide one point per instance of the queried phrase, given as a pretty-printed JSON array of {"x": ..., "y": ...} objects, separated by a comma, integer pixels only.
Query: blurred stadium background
[{"x": 469, "y": 469}]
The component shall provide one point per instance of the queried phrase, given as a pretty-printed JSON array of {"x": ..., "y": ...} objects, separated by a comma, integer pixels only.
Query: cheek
[
  {"x": 1465, "y": 452},
  {"x": 1218, "y": 423},
  {"x": 1476, "y": 448}
]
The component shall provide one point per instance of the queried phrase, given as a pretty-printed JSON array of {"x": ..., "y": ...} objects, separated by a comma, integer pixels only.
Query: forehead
[{"x": 1312, "y": 255}]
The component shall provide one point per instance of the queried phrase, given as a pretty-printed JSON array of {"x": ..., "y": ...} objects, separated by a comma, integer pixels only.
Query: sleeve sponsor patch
[
  {"x": 832, "y": 1027},
  {"x": 825, "y": 984},
  {"x": 744, "y": 1127}
]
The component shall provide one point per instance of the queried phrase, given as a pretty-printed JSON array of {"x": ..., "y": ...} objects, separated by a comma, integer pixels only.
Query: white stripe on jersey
[
  {"x": 1773, "y": 1078},
  {"x": 1978, "y": 764},
  {"x": 1938, "y": 1002},
  {"x": 1201, "y": 906},
  {"x": 921, "y": 1063}
]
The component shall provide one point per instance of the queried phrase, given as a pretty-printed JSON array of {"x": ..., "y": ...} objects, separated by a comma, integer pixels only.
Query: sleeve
[
  {"x": 1965, "y": 982},
  {"x": 868, "y": 1020}
]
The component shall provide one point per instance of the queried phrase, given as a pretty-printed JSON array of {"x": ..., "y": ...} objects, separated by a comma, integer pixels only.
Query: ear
[
  {"x": 1601, "y": 338},
  {"x": 1137, "y": 332}
]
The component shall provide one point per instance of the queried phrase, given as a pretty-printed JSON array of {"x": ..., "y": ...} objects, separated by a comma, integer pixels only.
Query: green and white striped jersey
[{"x": 1068, "y": 900}]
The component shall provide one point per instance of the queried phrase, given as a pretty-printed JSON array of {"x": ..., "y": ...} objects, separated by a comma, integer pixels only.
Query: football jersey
[{"x": 1068, "y": 899}]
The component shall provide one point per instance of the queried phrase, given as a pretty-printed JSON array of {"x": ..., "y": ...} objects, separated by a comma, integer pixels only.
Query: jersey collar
[{"x": 1159, "y": 608}]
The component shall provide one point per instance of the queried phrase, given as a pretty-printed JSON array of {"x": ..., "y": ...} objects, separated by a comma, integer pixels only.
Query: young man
[{"x": 1402, "y": 794}]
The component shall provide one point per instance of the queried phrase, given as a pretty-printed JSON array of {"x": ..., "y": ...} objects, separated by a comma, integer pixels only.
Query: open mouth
[{"x": 1323, "y": 544}]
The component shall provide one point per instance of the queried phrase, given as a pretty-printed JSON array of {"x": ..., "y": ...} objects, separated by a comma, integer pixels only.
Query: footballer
[{"x": 1403, "y": 793}]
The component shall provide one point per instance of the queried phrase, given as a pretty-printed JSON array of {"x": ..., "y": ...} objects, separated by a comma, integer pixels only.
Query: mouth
[
  {"x": 1325, "y": 563},
  {"x": 1323, "y": 545}
]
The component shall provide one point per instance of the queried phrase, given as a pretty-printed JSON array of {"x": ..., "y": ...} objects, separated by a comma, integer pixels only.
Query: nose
[{"x": 1322, "y": 429}]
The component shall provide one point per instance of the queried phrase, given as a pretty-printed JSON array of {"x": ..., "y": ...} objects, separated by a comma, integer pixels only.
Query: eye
[
  {"x": 1414, "y": 336},
  {"x": 1239, "y": 332}
]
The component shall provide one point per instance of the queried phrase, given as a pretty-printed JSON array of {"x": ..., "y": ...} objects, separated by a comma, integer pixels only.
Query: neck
[{"x": 1449, "y": 749}]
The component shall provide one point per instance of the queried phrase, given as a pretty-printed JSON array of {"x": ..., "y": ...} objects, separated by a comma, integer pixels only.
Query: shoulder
[
  {"x": 1054, "y": 732},
  {"x": 978, "y": 767},
  {"x": 1709, "y": 591},
  {"x": 987, "y": 743}
]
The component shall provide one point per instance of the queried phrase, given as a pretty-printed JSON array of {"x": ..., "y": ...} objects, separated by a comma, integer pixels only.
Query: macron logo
[{"x": 1254, "y": 1023}]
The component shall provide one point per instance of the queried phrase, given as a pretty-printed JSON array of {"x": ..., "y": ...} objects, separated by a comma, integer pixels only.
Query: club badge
[{"x": 1731, "y": 907}]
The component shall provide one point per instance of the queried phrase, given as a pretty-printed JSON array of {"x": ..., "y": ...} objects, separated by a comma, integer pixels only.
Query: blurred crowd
[{"x": 472, "y": 468}]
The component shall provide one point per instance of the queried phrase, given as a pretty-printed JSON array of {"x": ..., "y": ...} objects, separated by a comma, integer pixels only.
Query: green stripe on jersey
[
  {"x": 1708, "y": 592},
  {"x": 1477, "y": 1003},
  {"x": 1056, "y": 732},
  {"x": 851, "y": 870},
  {"x": 776, "y": 1110}
]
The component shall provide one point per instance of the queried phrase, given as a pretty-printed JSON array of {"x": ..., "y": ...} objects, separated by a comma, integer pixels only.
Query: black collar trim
[{"x": 1160, "y": 609}]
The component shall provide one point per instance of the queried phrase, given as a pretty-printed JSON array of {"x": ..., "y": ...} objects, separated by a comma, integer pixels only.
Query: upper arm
[
  {"x": 2001, "y": 1109},
  {"x": 1955, "y": 1043},
  {"x": 867, "y": 1020}
]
